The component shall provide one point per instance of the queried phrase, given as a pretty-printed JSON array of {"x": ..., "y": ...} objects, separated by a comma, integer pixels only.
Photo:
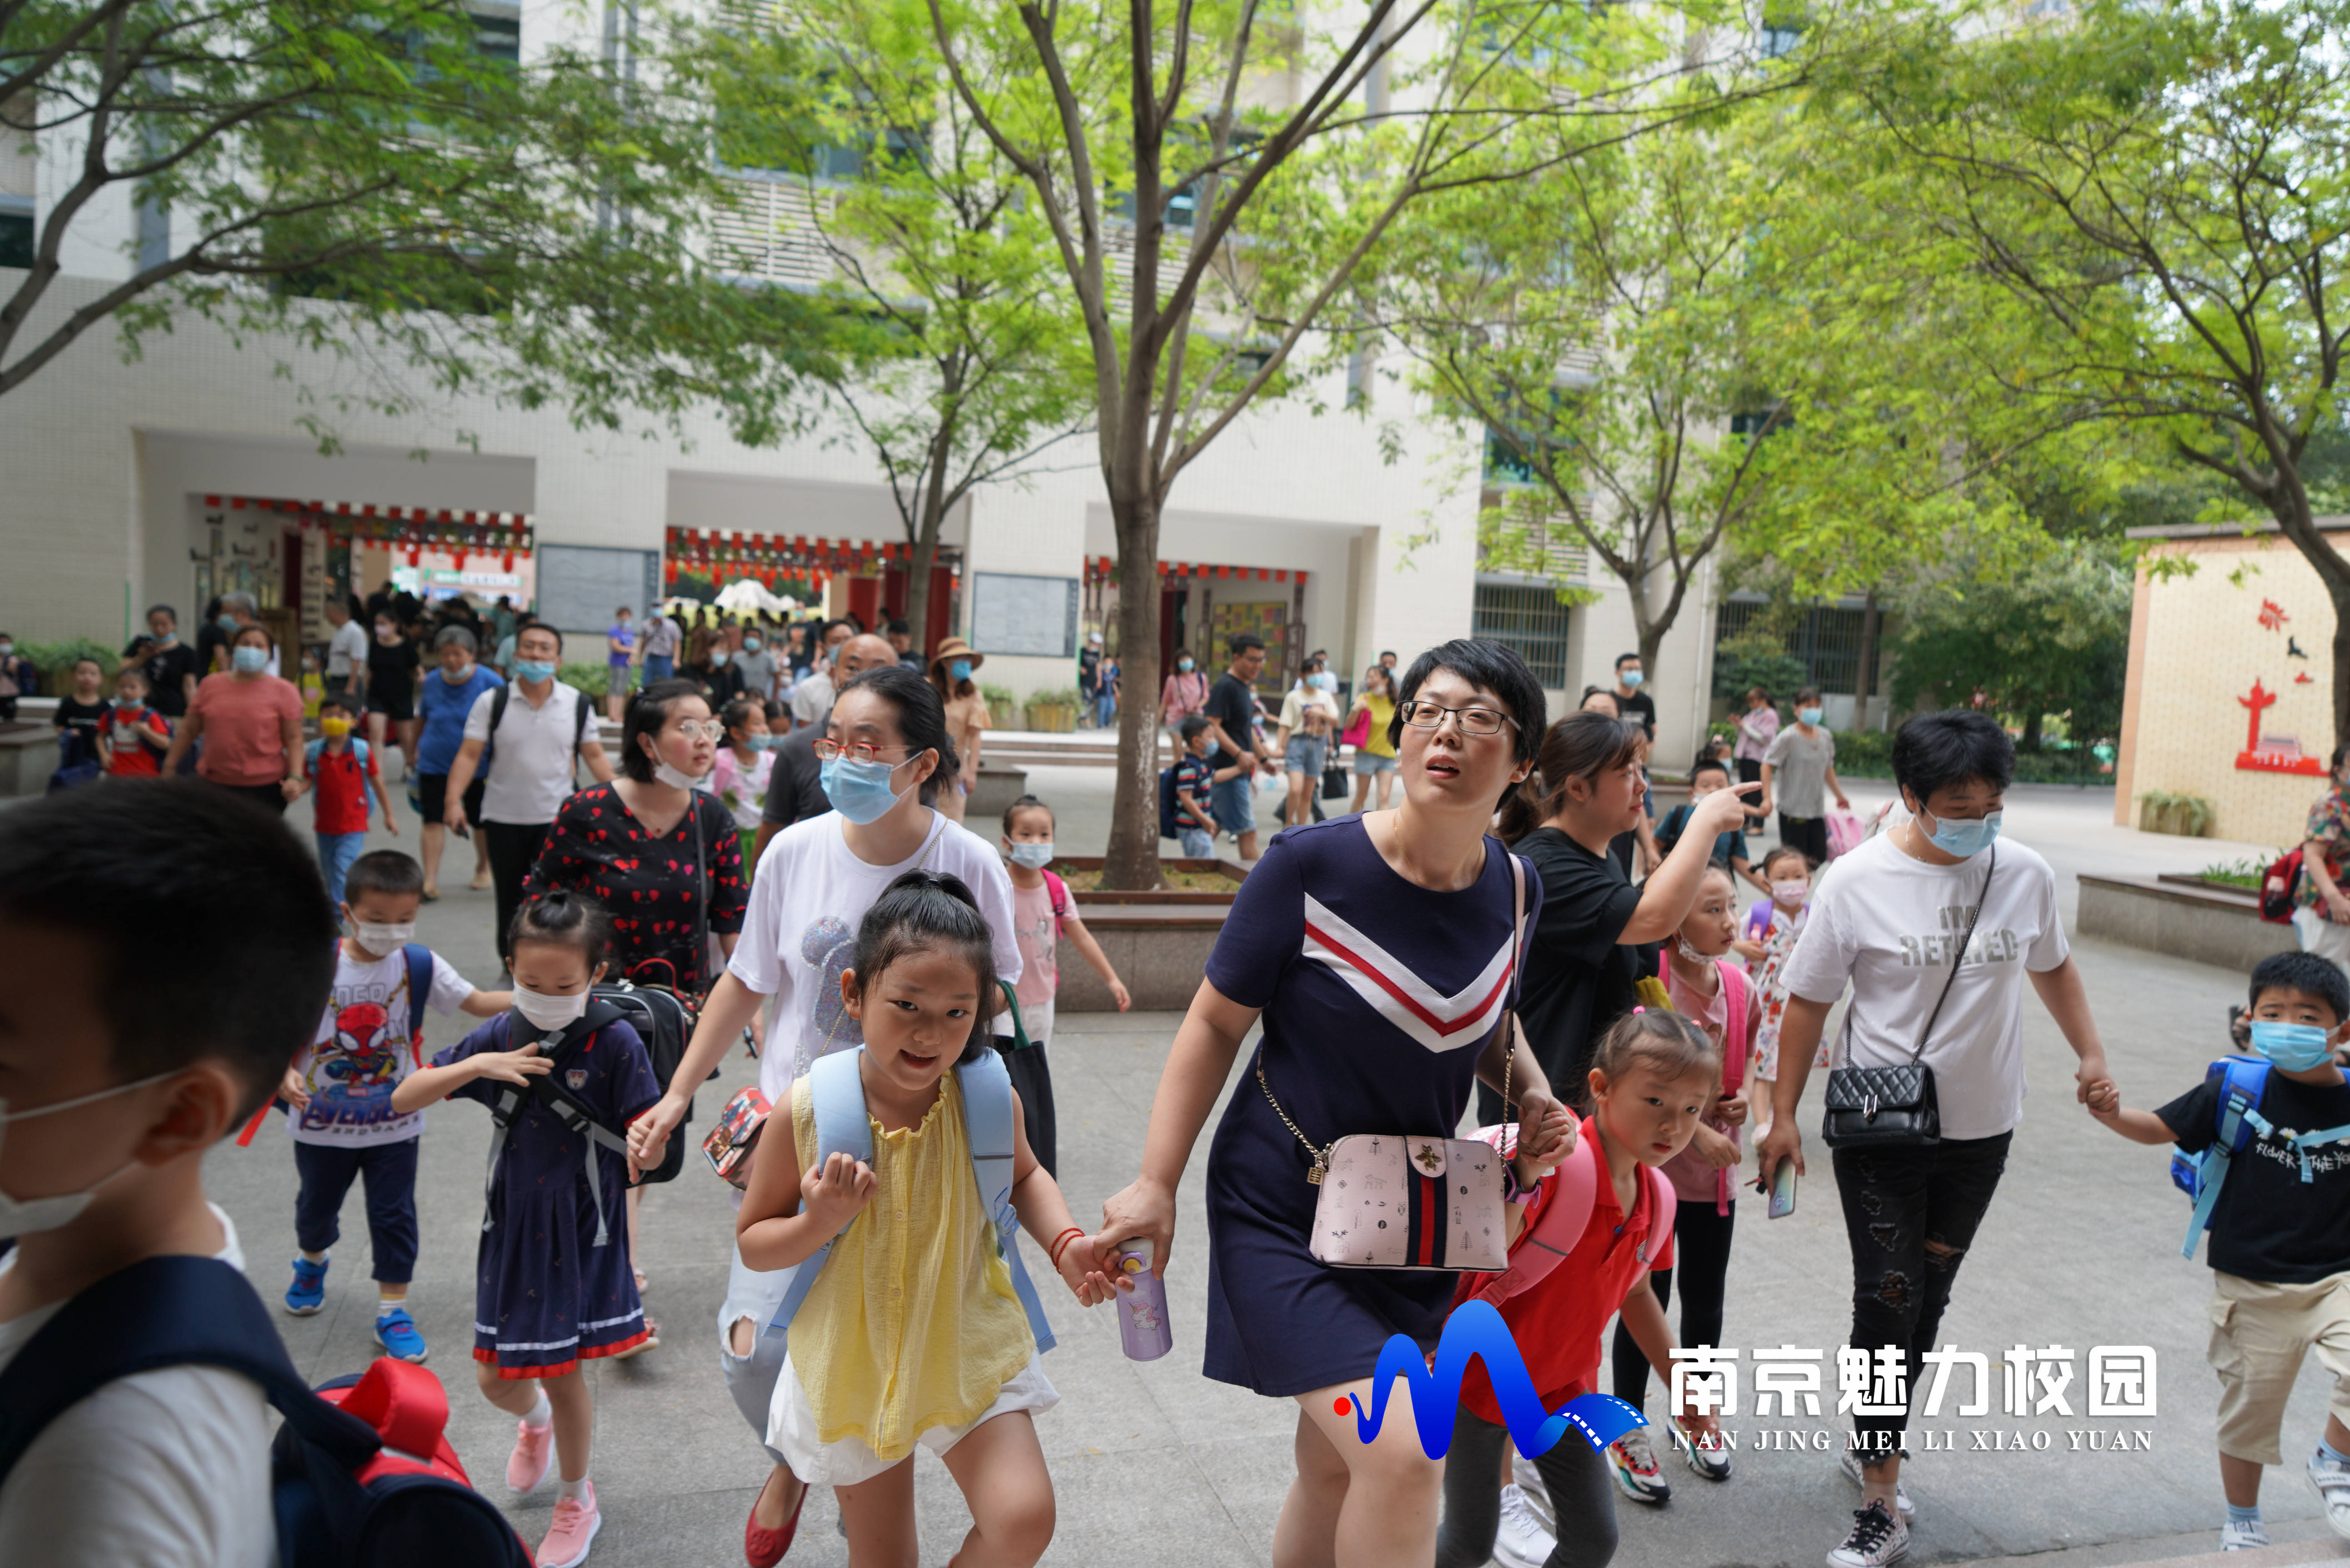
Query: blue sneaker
[
  {"x": 308, "y": 1293},
  {"x": 396, "y": 1332}
]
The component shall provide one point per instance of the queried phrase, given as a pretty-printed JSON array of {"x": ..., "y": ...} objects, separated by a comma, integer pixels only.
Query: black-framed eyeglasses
[
  {"x": 861, "y": 752},
  {"x": 1425, "y": 715}
]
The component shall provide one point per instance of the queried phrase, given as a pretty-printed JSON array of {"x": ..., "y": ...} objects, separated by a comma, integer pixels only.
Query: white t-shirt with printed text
[
  {"x": 164, "y": 1469},
  {"x": 808, "y": 895},
  {"x": 363, "y": 1052},
  {"x": 1890, "y": 923}
]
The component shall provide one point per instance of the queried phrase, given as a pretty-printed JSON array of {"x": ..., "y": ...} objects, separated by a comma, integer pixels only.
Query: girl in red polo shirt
[{"x": 1652, "y": 1078}]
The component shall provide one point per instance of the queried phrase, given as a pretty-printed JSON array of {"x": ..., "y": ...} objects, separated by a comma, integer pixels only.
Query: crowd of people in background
[{"x": 781, "y": 845}]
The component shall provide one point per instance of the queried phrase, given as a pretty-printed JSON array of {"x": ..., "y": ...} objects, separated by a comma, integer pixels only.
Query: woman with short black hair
[
  {"x": 1380, "y": 951},
  {"x": 662, "y": 855},
  {"x": 1936, "y": 924}
]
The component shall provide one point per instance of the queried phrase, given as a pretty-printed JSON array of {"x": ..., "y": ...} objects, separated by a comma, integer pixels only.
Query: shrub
[
  {"x": 56, "y": 661},
  {"x": 595, "y": 679}
]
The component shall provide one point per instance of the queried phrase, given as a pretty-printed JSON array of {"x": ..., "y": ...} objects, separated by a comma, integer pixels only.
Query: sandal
[
  {"x": 651, "y": 1341},
  {"x": 431, "y": 895},
  {"x": 641, "y": 1282}
]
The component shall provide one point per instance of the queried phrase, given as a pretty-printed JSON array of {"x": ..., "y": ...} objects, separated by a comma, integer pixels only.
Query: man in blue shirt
[{"x": 442, "y": 701}]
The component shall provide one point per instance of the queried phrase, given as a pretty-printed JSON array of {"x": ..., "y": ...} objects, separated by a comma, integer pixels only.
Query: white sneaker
[
  {"x": 1521, "y": 1542},
  {"x": 1851, "y": 1468},
  {"x": 1530, "y": 1486},
  {"x": 1709, "y": 1458},
  {"x": 2234, "y": 1537},
  {"x": 2332, "y": 1483},
  {"x": 1876, "y": 1538},
  {"x": 1634, "y": 1464}
]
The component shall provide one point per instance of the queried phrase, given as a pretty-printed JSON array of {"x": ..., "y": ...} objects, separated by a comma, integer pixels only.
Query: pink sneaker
[
  {"x": 575, "y": 1524},
  {"x": 534, "y": 1450}
]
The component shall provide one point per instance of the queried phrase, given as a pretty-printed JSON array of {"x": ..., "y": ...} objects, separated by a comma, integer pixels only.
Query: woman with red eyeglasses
[{"x": 885, "y": 757}]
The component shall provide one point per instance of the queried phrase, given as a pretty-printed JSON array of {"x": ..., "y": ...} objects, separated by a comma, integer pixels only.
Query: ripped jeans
[{"x": 1910, "y": 1214}]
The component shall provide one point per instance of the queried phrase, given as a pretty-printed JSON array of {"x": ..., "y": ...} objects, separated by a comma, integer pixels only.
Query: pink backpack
[
  {"x": 1553, "y": 1236},
  {"x": 1060, "y": 892}
]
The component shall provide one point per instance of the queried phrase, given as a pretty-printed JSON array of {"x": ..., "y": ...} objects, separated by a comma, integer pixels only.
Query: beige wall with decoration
[{"x": 2194, "y": 721}]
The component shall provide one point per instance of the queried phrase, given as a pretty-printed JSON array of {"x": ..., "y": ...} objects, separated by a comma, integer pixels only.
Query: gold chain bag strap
[{"x": 1388, "y": 1200}]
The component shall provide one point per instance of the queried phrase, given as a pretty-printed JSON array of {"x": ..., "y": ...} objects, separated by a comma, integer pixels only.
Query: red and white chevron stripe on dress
[{"x": 1438, "y": 1021}]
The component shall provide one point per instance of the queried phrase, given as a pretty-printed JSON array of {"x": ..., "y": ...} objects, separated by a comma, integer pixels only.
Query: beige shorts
[
  {"x": 2260, "y": 1335},
  {"x": 792, "y": 1430}
]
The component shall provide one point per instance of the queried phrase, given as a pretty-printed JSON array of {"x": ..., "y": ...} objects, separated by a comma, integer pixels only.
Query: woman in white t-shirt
[
  {"x": 886, "y": 754},
  {"x": 1938, "y": 924}
]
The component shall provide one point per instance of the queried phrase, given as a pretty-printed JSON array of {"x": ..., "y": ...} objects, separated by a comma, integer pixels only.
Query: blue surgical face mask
[
  {"x": 250, "y": 660},
  {"x": 959, "y": 669},
  {"x": 1807, "y": 715},
  {"x": 1631, "y": 676},
  {"x": 1327, "y": 680},
  {"x": 766, "y": 743},
  {"x": 1965, "y": 839},
  {"x": 1035, "y": 857},
  {"x": 533, "y": 669},
  {"x": 749, "y": 645},
  {"x": 227, "y": 623},
  {"x": 1184, "y": 664},
  {"x": 861, "y": 791},
  {"x": 2295, "y": 1047}
]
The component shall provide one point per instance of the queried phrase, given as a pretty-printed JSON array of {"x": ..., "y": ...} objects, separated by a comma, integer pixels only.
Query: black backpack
[
  {"x": 664, "y": 1021},
  {"x": 345, "y": 1493},
  {"x": 1169, "y": 821},
  {"x": 580, "y": 706}
]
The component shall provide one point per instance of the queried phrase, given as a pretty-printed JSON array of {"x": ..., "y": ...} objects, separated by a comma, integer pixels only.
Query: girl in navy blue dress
[
  {"x": 1380, "y": 952},
  {"x": 555, "y": 1287}
]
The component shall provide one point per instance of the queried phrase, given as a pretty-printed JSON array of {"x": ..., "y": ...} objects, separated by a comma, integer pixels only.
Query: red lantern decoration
[
  {"x": 461, "y": 560},
  {"x": 508, "y": 565}
]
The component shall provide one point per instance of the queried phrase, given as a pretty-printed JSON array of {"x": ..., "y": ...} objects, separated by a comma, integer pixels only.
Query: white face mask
[
  {"x": 1794, "y": 895},
  {"x": 543, "y": 1012},
  {"x": 1035, "y": 856},
  {"x": 676, "y": 778},
  {"x": 25, "y": 1216},
  {"x": 383, "y": 940}
]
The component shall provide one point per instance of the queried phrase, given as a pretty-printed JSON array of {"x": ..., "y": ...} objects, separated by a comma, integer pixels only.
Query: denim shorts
[
  {"x": 1232, "y": 804},
  {"x": 1367, "y": 764},
  {"x": 1306, "y": 753}
]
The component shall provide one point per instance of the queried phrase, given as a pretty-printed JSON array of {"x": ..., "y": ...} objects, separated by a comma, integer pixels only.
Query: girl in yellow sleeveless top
[{"x": 912, "y": 1332}]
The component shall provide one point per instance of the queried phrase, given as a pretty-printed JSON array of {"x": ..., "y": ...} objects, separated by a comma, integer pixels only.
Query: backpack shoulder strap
[
  {"x": 1060, "y": 891},
  {"x": 163, "y": 1312},
  {"x": 578, "y": 720},
  {"x": 497, "y": 709},
  {"x": 420, "y": 992},
  {"x": 988, "y": 1121},
  {"x": 1552, "y": 1236},
  {"x": 2238, "y": 1117},
  {"x": 1735, "y": 1000},
  {"x": 311, "y": 753},
  {"x": 842, "y": 1127}
]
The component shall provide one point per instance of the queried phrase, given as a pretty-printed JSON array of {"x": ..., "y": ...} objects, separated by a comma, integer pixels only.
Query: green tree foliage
[
  {"x": 1213, "y": 175},
  {"x": 2160, "y": 198},
  {"x": 318, "y": 172},
  {"x": 2050, "y": 641},
  {"x": 954, "y": 350}
]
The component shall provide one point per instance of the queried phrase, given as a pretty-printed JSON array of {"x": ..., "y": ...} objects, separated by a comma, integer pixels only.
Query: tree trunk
[
  {"x": 1132, "y": 861},
  {"x": 917, "y": 586},
  {"x": 1864, "y": 681},
  {"x": 2031, "y": 722}
]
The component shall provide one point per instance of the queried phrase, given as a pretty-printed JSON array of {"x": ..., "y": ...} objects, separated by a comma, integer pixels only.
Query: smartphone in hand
[{"x": 1783, "y": 1190}]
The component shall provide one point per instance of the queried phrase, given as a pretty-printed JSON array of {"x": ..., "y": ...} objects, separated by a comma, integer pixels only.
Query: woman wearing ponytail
[
  {"x": 886, "y": 757},
  {"x": 1597, "y": 932}
]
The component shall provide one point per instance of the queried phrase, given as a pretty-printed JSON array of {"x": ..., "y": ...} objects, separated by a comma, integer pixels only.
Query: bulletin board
[{"x": 1023, "y": 615}]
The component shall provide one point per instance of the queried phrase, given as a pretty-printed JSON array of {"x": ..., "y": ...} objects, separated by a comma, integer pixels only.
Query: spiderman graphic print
[
  {"x": 648, "y": 882},
  {"x": 366, "y": 1043}
]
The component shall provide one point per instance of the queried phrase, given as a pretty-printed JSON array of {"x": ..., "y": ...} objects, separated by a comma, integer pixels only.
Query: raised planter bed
[
  {"x": 2181, "y": 916},
  {"x": 1158, "y": 942},
  {"x": 28, "y": 756}
]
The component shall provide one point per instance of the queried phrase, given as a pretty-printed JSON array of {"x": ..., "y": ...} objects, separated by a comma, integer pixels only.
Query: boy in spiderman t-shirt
[{"x": 340, "y": 1090}]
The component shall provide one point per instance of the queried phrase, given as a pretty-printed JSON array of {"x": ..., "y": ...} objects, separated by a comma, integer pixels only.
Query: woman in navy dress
[{"x": 1380, "y": 952}]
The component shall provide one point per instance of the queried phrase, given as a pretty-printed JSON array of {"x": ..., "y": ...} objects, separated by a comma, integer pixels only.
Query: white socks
[
  {"x": 541, "y": 1414},
  {"x": 574, "y": 1491}
]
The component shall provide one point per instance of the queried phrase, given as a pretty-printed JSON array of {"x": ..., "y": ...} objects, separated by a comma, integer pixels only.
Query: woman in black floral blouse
[{"x": 632, "y": 845}]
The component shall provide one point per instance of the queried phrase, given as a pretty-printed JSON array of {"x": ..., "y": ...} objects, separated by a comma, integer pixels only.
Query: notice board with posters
[
  {"x": 1023, "y": 615},
  {"x": 579, "y": 587}
]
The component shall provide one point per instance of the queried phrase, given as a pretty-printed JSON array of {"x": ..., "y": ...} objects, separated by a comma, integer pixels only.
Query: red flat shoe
[{"x": 764, "y": 1548}]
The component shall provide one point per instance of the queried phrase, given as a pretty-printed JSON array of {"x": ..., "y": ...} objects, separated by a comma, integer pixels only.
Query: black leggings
[
  {"x": 514, "y": 849},
  {"x": 1749, "y": 771},
  {"x": 1701, "y": 1257},
  {"x": 1808, "y": 834},
  {"x": 1573, "y": 1473}
]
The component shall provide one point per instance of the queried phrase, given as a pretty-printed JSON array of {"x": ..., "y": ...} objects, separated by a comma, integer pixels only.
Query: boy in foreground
[
  {"x": 2280, "y": 1248},
  {"x": 110, "y": 1093}
]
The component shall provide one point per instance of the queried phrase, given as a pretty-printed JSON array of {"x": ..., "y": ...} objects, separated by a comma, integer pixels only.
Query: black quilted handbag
[{"x": 1875, "y": 1108}]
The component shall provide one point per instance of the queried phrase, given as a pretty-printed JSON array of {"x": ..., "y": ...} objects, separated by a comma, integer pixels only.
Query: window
[
  {"x": 1827, "y": 638},
  {"x": 17, "y": 234},
  {"x": 1529, "y": 620},
  {"x": 1780, "y": 33}
]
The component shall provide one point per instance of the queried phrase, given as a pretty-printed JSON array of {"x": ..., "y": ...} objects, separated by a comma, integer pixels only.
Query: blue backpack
[
  {"x": 2238, "y": 1120},
  {"x": 843, "y": 1126},
  {"x": 1170, "y": 823},
  {"x": 345, "y": 1493}
]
